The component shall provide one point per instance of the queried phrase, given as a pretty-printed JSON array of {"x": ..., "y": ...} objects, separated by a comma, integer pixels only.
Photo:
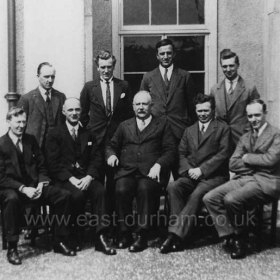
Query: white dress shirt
[
  {"x": 14, "y": 139},
  {"x": 43, "y": 93},
  {"x": 103, "y": 85},
  {"x": 234, "y": 83},
  {"x": 203, "y": 124},
  {"x": 169, "y": 71},
  {"x": 70, "y": 128},
  {"x": 142, "y": 124}
]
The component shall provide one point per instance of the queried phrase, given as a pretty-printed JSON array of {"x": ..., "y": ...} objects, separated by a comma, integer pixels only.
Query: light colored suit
[
  {"x": 234, "y": 112},
  {"x": 257, "y": 180}
]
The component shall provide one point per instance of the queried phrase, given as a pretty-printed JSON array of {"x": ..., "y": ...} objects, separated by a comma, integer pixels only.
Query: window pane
[
  {"x": 135, "y": 12},
  {"x": 134, "y": 81},
  {"x": 164, "y": 12},
  {"x": 198, "y": 79},
  {"x": 191, "y": 11},
  {"x": 140, "y": 54},
  {"x": 189, "y": 52}
]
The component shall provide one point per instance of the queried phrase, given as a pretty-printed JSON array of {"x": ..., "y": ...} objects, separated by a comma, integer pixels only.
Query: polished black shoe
[
  {"x": 63, "y": 249},
  {"x": 124, "y": 242},
  {"x": 13, "y": 257},
  {"x": 139, "y": 245},
  {"x": 228, "y": 244},
  {"x": 239, "y": 249},
  {"x": 103, "y": 245},
  {"x": 171, "y": 244}
]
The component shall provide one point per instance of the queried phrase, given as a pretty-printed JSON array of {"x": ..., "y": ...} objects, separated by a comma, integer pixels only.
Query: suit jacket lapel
[
  {"x": 13, "y": 153},
  {"x": 266, "y": 134},
  {"x": 150, "y": 129},
  {"x": 132, "y": 127},
  {"x": 98, "y": 94},
  {"x": 211, "y": 129},
  {"x": 240, "y": 87},
  {"x": 158, "y": 81},
  {"x": 175, "y": 77},
  {"x": 55, "y": 102},
  {"x": 83, "y": 138},
  {"x": 194, "y": 130},
  {"x": 220, "y": 98},
  {"x": 117, "y": 92},
  {"x": 40, "y": 102}
]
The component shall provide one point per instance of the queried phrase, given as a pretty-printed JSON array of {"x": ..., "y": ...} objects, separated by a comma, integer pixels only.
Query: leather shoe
[
  {"x": 170, "y": 245},
  {"x": 124, "y": 242},
  {"x": 63, "y": 249},
  {"x": 13, "y": 257},
  {"x": 228, "y": 244},
  {"x": 239, "y": 249},
  {"x": 139, "y": 245},
  {"x": 103, "y": 245}
]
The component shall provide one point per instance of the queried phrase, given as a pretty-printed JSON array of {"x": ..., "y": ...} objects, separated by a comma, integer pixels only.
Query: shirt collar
[
  {"x": 205, "y": 125},
  {"x": 147, "y": 121},
  {"x": 13, "y": 137},
  {"x": 234, "y": 81},
  {"x": 70, "y": 127},
  {"x": 262, "y": 129},
  {"x": 170, "y": 68},
  {"x": 43, "y": 91},
  {"x": 105, "y": 81}
]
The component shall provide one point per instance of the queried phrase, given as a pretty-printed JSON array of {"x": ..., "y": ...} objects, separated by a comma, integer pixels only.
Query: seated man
[
  {"x": 256, "y": 162},
  {"x": 23, "y": 177},
  {"x": 143, "y": 150},
  {"x": 73, "y": 161},
  {"x": 204, "y": 152}
]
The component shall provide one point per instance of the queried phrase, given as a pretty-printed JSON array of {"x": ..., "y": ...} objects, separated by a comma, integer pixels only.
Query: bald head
[
  {"x": 142, "y": 103},
  {"x": 72, "y": 110}
]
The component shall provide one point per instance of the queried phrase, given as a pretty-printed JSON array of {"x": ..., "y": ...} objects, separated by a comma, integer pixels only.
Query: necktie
[
  {"x": 18, "y": 146},
  {"x": 73, "y": 134},
  {"x": 141, "y": 125},
  {"x": 202, "y": 129},
  {"x": 255, "y": 136},
  {"x": 230, "y": 90},
  {"x": 108, "y": 99},
  {"x": 50, "y": 117},
  {"x": 166, "y": 81}
]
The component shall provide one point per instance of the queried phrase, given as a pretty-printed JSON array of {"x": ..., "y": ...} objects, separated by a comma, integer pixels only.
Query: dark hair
[
  {"x": 14, "y": 112},
  {"x": 41, "y": 65},
  {"x": 104, "y": 54},
  {"x": 259, "y": 101},
  {"x": 227, "y": 53},
  {"x": 202, "y": 98},
  {"x": 164, "y": 42}
]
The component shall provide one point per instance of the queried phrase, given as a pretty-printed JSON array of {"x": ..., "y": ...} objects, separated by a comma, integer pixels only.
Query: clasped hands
[
  {"x": 154, "y": 172},
  {"x": 34, "y": 193},
  {"x": 195, "y": 173},
  {"x": 82, "y": 183}
]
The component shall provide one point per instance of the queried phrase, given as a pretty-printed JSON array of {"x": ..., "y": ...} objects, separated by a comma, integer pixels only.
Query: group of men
[{"x": 111, "y": 147}]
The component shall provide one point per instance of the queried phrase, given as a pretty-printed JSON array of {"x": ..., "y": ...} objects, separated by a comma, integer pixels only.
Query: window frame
[{"x": 208, "y": 29}]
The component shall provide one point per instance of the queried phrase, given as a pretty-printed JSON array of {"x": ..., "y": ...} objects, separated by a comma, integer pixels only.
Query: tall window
[{"x": 191, "y": 24}]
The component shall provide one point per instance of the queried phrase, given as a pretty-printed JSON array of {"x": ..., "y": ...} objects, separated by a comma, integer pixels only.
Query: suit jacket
[
  {"x": 10, "y": 173},
  {"x": 61, "y": 154},
  {"x": 210, "y": 151},
  {"x": 178, "y": 106},
  {"x": 235, "y": 114},
  {"x": 262, "y": 161},
  {"x": 94, "y": 112},
  {"x": 34, "y": 106},
  {"x": 140, "y": 151}
]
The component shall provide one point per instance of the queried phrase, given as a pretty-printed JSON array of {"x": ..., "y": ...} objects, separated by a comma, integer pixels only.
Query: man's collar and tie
[
  {"x": 230, "y": 85},
  {"x": 73, "y": 130},
  {"x": 46, "y": 94},
  {"x": 142, "y": 124},
  {"x": 203, "y": 126},
  {"x": 107, "y": 87},
  {"x": 17, "y": 141},
  {"x": 166, "y": 73}
]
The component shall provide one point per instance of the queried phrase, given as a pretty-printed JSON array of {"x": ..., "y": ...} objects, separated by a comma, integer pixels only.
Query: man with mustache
[
  {"x": 142, "y": 151},
  {"x": 203, "y": 152},
  {"x": 74, "y": 160},
  {"x": 231, "y": 96},
  {"x": 256, "y": 164}
]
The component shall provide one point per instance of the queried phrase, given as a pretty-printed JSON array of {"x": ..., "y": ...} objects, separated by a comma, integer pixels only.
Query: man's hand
[
  {"x": 195, "y": 173},
  {"x": 154, "y": 172},
  {"x": 244, "y": 158},
  {"x": 75, "y": 182},
  {"x": 29, "y": 192},
  {"x": 39, "y": 190},
  {"x": 85, "y": 182},
  {"x": 113, "y": 161}
]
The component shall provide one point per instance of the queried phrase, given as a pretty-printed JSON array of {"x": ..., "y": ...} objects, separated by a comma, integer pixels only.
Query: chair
[{"x": 270, "y": 220}]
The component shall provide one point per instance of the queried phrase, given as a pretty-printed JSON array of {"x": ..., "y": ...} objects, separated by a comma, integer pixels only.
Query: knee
[
  {"x": 78, "y": 197},
  {"x": 121, "y": 189},
  {"x": 171, "y": 188},
  {"x": 208, "y": 198},
  {"x": 12, "y": 198},
  {"x": 229, "y": 200}
]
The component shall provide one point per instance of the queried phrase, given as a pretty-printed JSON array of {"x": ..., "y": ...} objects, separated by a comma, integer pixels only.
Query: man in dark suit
[
  {"x": 142, "y": 150},
  {"x": 105, "y": 102},
  {"x": 74, "y": 159},
  {"x": 204, "y": 152},
  {"x": 43, "y": 105},
  {"x": 256, "y": 162},
  {"x": 23, "y": 177},
  {"x": 172, "y": 92},
  {"x": 231, "y": 96}
]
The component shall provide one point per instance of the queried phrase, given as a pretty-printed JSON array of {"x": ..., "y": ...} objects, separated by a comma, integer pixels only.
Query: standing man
[
  {"x": 142, "y": 150},
  {"x": 23, "y": 177},
  {"x": 231, "y": 96},
  {"x": 256, "y": 162},
  {"x": 172, "y": 91},
  {"x": 204, "y": 151},
  {"x": 105, "y": 102},
  {"x": 73, "y": 160},
  {"x": 43, "y": 105}
]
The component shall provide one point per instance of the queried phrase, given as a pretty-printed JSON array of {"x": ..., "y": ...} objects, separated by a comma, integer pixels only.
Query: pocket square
[
  {"x": 122, "y": 95},
  {"x": 89, "y": 143}
]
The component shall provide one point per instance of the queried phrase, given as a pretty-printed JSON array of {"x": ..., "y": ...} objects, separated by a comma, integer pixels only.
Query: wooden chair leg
[
  {"x": 273, "y": 224},
  {"x": 4, "y": 240}
]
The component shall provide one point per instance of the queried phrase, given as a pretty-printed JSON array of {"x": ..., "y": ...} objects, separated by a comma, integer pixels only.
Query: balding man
[
  {"x": 74, "y": 160},
  {"x": 142, "y": 150}
]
